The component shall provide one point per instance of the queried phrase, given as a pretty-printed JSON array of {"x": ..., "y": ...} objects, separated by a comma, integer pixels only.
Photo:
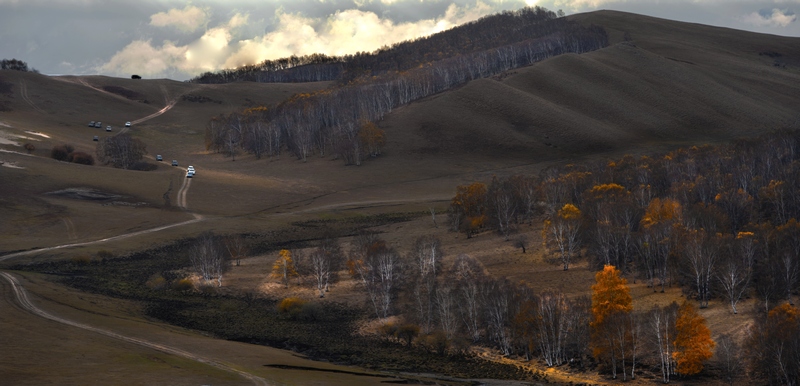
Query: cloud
[
  {"x": 777, "y": 18},
  {"x": 142, "y": 58},
  {"x": 343, "y": 32},
  {"x": 188, "y": 19}
]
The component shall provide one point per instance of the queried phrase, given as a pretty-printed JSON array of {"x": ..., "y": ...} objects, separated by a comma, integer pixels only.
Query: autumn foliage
[
  {"x": 611, "y": 339},
  {"x": 283, "y": 268},
  {"x": 468, "y": 208},
  {"x": 693, "y": 343},
  {"x": 610, "y": 295}
]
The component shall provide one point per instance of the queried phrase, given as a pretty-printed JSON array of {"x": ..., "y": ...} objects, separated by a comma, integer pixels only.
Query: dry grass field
[{"x": 661, "y": 84}]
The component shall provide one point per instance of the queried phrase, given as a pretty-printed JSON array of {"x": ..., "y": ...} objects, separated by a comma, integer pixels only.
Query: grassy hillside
[{"x": 670, "y": 83}]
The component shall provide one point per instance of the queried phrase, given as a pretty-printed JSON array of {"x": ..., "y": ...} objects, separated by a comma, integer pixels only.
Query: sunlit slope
[{"x": 670, "y": 83}]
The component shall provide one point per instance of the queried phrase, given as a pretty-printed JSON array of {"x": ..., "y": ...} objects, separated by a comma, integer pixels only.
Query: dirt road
[
  {"x": 21, "y": 296},
  {"x": 23, "y": 90}
]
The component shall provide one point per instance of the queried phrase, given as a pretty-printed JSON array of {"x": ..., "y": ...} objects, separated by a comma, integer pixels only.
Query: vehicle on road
[
  {"x": 191, "y": 169},
  {"x": 189, "y": 173},
  {"x": 127, "y": 124},
  {"x": 108, "y": 128},
  {"x": 159, "y": 158},
  {"x": 98, "y": 124},
  {"x": 174, "y": 162},
  {"x": 91, "y": 124}
]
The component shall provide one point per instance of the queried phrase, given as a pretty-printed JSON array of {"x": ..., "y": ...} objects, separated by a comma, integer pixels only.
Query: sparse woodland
[{"x": 718, "y": 221}]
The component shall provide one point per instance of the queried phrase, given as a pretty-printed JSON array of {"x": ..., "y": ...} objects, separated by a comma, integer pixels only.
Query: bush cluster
[{"x": 67, "y": 153}]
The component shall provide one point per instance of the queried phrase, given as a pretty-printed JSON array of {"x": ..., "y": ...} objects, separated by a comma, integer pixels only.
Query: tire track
[
  {"x": 71, "y": 230},
  {"x": 21, "y": 296},
  {"x": 166, "y": 108},
  {"x": 23, "y": 90},
  {"x": 197, "y": 218},
  {"x": 187, "y": 182}
]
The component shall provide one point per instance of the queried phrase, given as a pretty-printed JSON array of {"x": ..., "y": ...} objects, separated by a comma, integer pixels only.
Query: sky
[{"x": 182, "y": 39}]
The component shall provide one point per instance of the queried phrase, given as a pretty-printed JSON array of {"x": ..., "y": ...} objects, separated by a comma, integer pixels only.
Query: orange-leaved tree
[
  {"x": 693, "y": 343},
  {"x": 468, "y": 208},
  {"x": 284, "y": 267},
  {"x": 611, "y": 305}
]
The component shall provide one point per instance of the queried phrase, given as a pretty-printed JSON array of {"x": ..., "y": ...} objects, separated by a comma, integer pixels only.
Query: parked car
[
  {"x": 127, "y": 124},
  {"x": 189, "y": 174},
  {"x": 98, "y": 124},
  {"x": 158, "y": 158},
  {"x": 96, "y": 138},
  {"x": 174, "y": 162},
  {"x": 91, "y": 124},
  {"x": 108, "y": 128}
]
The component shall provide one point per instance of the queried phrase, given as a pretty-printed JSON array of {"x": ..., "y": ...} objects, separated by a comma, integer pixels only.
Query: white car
[
  {"x": 108, "y": 128},
  {"x": 127, "y": 124},
  {"x": 189, "y": 173},
  {"x": 191, "y": 169}
]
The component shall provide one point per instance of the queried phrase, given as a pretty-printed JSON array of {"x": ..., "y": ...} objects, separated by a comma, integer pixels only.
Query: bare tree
[
  {"x": 427, "y": 255},
  {"x": 661, "y": 328},
  {"x": 553, "y": 317},
  {"x": 729, "y": 358},
  {"x": 470, "y": 284},
  {"x": 497, "y": 302},
  {"x": 237, "y": 248},
  {"x": 323, "y": 263},
  {"x": 447, "y": 311},
  {"x": 737, "y": 267},
  {"x": 701, "y": 254},
  {"x": 207, "y": 259},
  {"x": 378, "y": 269}
]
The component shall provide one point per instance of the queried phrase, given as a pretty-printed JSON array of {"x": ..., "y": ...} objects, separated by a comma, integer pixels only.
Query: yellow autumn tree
[
  {"x": 468, "y": 208},
  {"x": 611, "y": 304},
  {"x": 372, "y": 138},
  {"x": 283, "y": 268},
  {"x": 693, "y": 343}
]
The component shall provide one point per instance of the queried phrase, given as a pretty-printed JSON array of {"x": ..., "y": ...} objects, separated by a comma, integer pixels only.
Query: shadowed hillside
[{"x": 671, "y": 82}]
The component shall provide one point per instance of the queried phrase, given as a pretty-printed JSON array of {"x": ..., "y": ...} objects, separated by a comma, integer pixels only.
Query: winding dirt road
[
  {"x": 23, "y": 90},
  {"x": 21, "y": 296}
]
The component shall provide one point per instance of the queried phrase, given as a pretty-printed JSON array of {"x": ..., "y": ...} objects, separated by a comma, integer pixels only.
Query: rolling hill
[
  {"x": 659, "y": 85},
  {"x": 668, "y": 83}
]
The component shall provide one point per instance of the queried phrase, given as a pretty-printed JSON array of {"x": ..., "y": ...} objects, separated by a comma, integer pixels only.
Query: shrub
[
  {"x": 183, "y": 285},
  {"x": 29, "y": 147},
  {"x": 436, "y": 342},
  {"x": 61, "y": 152},
  {"x": 407, "y": 332},
  {"x": 80, "y": 157},
  {"x": 81, "y": 260},
  {"x": 143, "y": 166},
  {"x": 104, "y": 254},
  {"x": 156, "y": 282},
  {"x": 388, "y": 330},
  {"x": 291, "y": 305},
  {"x": 310, "y": 312}
]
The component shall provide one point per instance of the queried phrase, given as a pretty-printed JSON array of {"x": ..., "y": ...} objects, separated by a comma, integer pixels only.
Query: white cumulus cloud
[
  {"x": 778, "y": 18},
  {"x": 343, "y": 32},
  {"x": 188, "y": 19}
]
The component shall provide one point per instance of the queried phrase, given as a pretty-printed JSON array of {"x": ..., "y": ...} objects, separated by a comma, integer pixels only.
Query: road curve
[
  {"x": 21, "y": 296},
  {"x": 114, "y": 238}
]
